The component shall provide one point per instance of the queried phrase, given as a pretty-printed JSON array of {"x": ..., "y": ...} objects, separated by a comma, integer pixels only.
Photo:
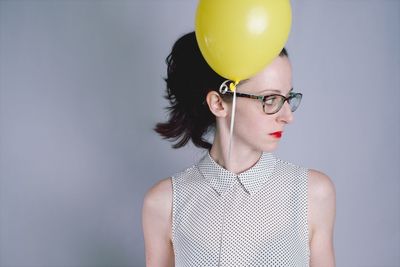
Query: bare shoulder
[
  {"x": 322, "y": 202},
  {"x": 320, "y": 186},
  {"x": 321, "y": 218},
  {"x": 156, "y": 222},
  {"x": 157, "y": 209},
  {"x": 159, "y": 197}
]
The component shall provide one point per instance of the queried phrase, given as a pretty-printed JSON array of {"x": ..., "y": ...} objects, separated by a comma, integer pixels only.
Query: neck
[{"x": 241, "y": 159}]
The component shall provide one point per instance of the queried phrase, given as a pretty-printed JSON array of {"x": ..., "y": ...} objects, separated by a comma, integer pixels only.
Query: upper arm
[
  {"x": 157, "y": 224},
  {"x": 322, "y": 210}
]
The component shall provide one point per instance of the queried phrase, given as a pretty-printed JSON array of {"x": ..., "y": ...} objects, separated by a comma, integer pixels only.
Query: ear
[{"x": 216, "y": 104}]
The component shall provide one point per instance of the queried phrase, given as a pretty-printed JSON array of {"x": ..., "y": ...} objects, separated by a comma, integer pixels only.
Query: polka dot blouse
[{"x": 256, "y": 218}]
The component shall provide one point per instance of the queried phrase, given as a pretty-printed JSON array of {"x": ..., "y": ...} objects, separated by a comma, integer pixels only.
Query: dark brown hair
[{"x": 189, "y": 80}]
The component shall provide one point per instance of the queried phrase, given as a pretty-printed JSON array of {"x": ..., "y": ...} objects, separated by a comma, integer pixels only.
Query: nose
[{"x": 285, "y": 115}]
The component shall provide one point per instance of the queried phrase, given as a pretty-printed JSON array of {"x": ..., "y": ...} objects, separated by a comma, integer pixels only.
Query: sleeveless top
[{"x": 256, "y": 218}]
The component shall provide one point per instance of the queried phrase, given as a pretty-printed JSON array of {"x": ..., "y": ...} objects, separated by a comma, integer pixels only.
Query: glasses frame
[{"x": 264, "y": 98}]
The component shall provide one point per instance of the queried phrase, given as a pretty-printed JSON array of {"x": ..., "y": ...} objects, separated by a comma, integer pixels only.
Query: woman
[{"x": 253, "y": 209}]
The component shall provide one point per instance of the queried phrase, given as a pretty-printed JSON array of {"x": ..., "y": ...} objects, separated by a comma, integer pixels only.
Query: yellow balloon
[{"x": 238, "y": 38}]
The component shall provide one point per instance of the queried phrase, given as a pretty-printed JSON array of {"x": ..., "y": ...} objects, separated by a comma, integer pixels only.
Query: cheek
[{"x": 252, "y": 122}]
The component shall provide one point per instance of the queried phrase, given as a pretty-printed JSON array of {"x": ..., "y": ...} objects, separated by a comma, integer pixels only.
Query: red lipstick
[{"x": 276, "y": 134}]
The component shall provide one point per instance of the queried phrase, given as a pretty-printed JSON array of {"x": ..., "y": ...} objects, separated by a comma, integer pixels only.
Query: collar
[{"x": 252, "y": 179}]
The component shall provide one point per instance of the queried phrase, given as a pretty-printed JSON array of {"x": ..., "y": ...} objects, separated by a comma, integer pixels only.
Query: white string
[
  {"x": 231, "y": 127},
  {"x": 223, "y": 89}
]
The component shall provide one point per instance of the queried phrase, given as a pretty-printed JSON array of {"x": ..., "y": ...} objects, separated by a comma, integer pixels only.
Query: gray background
[{"x": 81, "y": 88}]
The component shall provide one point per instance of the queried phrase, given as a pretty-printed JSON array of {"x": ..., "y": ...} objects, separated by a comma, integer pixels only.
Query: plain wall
[{"x": 81, "y": 87}]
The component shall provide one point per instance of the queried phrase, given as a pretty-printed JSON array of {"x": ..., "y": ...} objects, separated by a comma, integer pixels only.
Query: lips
[{"x": 277, "y": 134}]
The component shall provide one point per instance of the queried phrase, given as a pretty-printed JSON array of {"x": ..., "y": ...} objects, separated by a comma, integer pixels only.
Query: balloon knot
[
  {"x": 228, "y": 85},
  {"x": 232, "y": 86}
]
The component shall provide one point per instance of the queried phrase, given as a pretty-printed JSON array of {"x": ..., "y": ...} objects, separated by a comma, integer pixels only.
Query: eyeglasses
[{"x": 273, "y": 103}]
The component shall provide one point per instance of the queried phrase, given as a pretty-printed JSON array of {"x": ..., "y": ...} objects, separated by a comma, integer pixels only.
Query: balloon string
[{"x": 233, "y": 88}]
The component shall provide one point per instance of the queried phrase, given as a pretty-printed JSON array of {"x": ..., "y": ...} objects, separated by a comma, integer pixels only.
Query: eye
[{"x": 271, "y": 100}]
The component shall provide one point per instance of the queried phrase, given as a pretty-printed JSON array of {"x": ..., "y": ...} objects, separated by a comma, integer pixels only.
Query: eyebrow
[{"x": 273, "y": 91}]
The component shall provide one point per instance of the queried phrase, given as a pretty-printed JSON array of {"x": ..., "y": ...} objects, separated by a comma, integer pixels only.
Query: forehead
[{"x": 275, "y": 78}]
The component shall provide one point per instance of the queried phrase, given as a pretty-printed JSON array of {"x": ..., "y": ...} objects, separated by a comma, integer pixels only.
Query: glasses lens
[
  {"x": 273, "y": 103},
  {"x": 294, "y": 101}
]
